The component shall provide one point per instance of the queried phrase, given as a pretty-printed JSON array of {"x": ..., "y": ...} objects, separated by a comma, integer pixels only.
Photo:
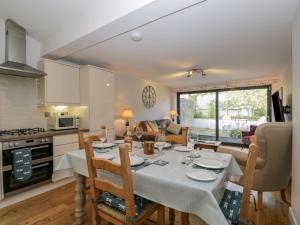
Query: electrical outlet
[{"x": 46, "y": 114}]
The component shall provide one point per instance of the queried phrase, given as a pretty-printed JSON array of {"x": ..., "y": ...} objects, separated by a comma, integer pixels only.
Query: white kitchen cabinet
[
  {"x": 63, "y": 144},
  {"x": 97, "y": 92},
  {"x": 60, "y": 86}
]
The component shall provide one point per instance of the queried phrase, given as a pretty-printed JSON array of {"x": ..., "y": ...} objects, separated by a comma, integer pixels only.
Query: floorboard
[{"x": 56, "y": 207}]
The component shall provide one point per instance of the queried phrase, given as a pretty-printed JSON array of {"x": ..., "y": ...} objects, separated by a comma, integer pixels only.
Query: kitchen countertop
[{"x": 45, "y": 134}]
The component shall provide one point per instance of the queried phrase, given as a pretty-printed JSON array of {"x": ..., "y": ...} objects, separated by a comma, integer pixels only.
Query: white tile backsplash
[{"x": 18, "y": 103}]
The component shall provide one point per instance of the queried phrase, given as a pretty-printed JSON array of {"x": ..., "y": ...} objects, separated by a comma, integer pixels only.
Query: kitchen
[
  {"x": 139, "y": 67},
  {"x": 41, "y": 110}
]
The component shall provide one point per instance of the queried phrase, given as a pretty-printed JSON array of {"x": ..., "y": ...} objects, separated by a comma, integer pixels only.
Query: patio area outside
[{"x": 237, "y": 110}]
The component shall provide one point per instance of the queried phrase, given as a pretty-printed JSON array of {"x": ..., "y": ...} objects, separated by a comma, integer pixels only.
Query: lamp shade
[
  {"x": 173, "y": 113},
  {"x": 127, "y": 114}
]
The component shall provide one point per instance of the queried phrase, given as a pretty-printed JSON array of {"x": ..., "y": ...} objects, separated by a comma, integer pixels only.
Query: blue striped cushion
[
  {"x": 230, "y": 205},
  {"x": 119, "y": 204}
]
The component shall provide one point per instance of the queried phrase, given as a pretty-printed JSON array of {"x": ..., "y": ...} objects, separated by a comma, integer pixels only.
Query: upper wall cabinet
[
  {"x": 97, "y": 92},
  {"x": 60, "y": 86}
]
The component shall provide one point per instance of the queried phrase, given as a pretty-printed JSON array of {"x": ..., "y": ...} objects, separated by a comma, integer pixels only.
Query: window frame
[{"x": 217, "y": 92}]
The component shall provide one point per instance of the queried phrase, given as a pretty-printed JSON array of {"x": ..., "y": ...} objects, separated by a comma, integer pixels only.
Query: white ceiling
[
  {"x": 231, "y": 40},
  {"x": 48, "y": 19}
]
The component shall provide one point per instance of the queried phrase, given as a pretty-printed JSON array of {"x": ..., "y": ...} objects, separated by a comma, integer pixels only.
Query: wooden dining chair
[
  {"x": 235, "y": 205},
  {"x": 178, "y": 139},
  {"x": 81, "y": 147},
  {"x": 121, "y": 193}
]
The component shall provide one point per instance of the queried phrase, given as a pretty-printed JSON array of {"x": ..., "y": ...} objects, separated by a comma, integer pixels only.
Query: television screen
[{"x": 278, "y": 108}]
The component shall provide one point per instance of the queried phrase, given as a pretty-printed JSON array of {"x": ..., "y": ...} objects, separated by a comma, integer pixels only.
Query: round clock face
[{"x": 149, "y": 96}]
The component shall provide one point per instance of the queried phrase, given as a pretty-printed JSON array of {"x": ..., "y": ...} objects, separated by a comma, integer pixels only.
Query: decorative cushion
[
  {"x": 174, "y": 128},
  {"x": 245, "y": 133},
  {"x": 153, "y": 126},
  {"x": 149, "y": 207},
  {"x": 119, "y": 204},
  {"x": 230, "y": 205},
  {"x": 149, "y": 128},
  {"x": 163, "y": 123},
  {"x": 252, "y": 129}
]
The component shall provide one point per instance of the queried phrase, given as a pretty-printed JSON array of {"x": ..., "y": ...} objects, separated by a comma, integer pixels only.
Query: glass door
[
  {"x": 224, "y": 114},
  {"x": 198, "y": 112},
  {"x": 238, "y": 110}
]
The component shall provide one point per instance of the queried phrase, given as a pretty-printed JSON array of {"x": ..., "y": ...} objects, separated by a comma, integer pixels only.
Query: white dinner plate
[
  {"x": 119, "y": 142},
  {"x": 103, "y": 145},
  {"x": 210, "y": 163},
  {"x": 101, "y": 150},
  {"x": 134, "y": 160},
  {"x": 107, "y": 156},
  {"x": 162, "y": 144},
  {"x": 201, "y": 175},
  {"x": 182, "y": 148}
]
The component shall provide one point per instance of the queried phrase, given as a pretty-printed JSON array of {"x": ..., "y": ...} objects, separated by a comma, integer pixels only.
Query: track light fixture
[{"x": 196, "y": 71}]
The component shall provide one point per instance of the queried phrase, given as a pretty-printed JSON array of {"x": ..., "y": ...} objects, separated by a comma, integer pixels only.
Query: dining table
[{"x": 166, "y": 184}]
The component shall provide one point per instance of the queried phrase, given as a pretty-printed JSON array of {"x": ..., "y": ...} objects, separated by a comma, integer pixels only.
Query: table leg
[{"x": 79, "y": 198}]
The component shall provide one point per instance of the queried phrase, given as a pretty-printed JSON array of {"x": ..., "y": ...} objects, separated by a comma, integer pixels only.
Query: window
[{"x": 223, "y": 114}]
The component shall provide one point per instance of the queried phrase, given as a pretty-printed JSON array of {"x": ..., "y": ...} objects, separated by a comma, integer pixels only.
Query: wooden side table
[{"x": 208, "y": 145}]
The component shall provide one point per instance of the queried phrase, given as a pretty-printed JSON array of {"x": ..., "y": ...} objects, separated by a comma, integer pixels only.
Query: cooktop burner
[{"x": 22, "y": 132}]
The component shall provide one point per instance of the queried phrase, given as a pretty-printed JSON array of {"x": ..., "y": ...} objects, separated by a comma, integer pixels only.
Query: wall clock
[{"x": 149, "y": 96}]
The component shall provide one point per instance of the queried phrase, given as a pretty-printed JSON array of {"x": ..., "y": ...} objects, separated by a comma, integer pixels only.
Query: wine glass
[
  {"x": 103, "y": 136},
  {"x": 160, "y": 139},
  {"x": 139, "y": 133}
]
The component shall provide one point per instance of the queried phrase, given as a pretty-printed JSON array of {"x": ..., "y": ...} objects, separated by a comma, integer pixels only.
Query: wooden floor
[{"x": 57, "y": 208}]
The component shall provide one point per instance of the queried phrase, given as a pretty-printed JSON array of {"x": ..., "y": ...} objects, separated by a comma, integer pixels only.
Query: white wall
[
  {"x": 296, "y": 117},
  {"x": 128, "y": 94},
  {"x": 18, "y": 95}
]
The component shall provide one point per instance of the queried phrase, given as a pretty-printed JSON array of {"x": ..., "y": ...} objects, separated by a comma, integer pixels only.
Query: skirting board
[{"x": 292, "y": 217}]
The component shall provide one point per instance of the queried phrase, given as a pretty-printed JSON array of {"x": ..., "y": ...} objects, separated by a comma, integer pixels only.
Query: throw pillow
[
  {"x": 230, "y": 205},
  {"x": 153, "y": 126},
  {"x": 119, "y": 204},
  {"x": 174, "y": 128}
]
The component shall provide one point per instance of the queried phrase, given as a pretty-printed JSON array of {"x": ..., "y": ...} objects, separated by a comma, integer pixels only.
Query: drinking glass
[
  {"x": 103, "y": 136},
  {"x": 160, "y": 138}
]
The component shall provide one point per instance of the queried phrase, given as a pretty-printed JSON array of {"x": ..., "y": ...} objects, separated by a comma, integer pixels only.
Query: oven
[{"x": 42, "y": 164}]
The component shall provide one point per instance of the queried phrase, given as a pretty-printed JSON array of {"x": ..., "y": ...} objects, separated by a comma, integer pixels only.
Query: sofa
[{"x": 151, "y": 128}]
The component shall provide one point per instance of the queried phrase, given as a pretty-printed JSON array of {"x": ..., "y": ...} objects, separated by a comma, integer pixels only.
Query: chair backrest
[
  {"x": 100, "y": 184},
  {"x": 80, "y": 138},
  {"x": 248, "y": 182},
  {"x": 274, "y": 141},
  {"x": 178, "y": 139}
]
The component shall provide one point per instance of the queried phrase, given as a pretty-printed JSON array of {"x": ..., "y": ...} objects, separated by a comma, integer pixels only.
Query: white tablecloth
[{"x": 169, "y": 186}]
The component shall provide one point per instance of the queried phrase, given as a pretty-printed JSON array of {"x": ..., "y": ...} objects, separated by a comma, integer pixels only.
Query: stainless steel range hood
[{"x": 15, "y": 53}]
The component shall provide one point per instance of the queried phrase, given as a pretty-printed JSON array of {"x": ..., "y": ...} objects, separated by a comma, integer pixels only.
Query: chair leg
[
  {"x": 171, "y": 216},
  {"x": 184, "y": 218},
  {"x": 260, "y": 200},
  {"x": 96, "y": 220},
  {"x": 283, "y": 197},
  {"x": 161, "y": 216}
]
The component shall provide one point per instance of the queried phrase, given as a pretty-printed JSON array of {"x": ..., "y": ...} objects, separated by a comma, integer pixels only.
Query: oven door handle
[
  {"x": 35, "y": 167},
  {"x": 35, "y": 148},
  {"x": 39, "y": 147},
  {"x": 41, "y": 165},
  {"x": 34, "y": 162}
]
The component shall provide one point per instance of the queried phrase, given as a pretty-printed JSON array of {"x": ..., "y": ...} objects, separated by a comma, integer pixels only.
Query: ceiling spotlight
[
  {"x": 136, "y": 36},
  {"x": 190, "y": 73},
  {"x": 196, "y": 71}
]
